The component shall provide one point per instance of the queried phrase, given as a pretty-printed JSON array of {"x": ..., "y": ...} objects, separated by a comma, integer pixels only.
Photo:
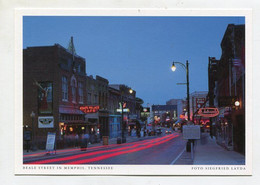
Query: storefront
[{"x": 71, "y": 121}]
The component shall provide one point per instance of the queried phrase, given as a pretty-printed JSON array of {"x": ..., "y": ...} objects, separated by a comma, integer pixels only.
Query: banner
[{"x": 45, "y": 99}]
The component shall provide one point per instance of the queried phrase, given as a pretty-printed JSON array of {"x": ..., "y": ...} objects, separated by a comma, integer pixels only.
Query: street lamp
[
  {"x": 186, "y": 67},
  {"x": 33, "y": 134},
  {"x": 122, "y": 115}
]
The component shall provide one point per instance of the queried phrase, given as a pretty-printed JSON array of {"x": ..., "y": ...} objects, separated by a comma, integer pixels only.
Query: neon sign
[
  {"x": 89, "y": 109},
  {"x": 208, "y": 112}
]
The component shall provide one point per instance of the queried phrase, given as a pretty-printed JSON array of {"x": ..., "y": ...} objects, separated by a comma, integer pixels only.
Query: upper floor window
[
  {"x": 73, "y": 90},
  {"x": 89, "y": 98},
  {"x": 80, "y": 92},
  {"x": 64, "y": 88},
  {"x": 95, "y": 99}
]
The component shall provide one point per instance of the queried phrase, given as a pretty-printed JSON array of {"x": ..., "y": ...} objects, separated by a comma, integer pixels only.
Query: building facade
[
  {"x": 164, "y": 114},
  {"x": 114, "y": 99},
  {"x": 53, "y": 90},
  {"x": 227, "y": 89}
]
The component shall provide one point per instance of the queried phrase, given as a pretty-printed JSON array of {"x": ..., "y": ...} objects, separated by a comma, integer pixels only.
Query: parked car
[{"x": 158, "y": 131}]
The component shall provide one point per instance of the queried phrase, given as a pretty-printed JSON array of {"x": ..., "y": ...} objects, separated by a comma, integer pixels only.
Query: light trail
[{"x": 132, "y": 145}]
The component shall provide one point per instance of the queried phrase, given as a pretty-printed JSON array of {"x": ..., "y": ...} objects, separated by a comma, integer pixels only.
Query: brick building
[
  {"x": 227, "y": 86},
  {"x": 54, "y": 87}
]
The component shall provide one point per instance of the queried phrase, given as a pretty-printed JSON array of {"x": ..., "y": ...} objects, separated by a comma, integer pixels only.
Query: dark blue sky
[{"x": 138, "y": 51}]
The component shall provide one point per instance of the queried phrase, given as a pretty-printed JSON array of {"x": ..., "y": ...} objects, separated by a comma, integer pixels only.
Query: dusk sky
[{"x": 138, "y": 51}]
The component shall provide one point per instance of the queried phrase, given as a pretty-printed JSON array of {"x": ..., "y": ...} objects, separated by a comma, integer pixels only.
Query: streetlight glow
[
  {"x": 173, "y": 67},
  {"x": 237, "y": 103},
  {"x": 131, "y": 91}
]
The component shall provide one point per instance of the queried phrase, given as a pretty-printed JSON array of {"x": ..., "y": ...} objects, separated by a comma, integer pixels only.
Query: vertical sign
[
  {"x": 50, "y": 141},
  {"x": 45, "y": 98},
  {"x": 200, "y": 102}
]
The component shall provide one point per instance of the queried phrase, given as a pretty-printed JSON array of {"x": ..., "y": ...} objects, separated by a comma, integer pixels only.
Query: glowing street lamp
[
  {"x": 186, "y": 67},
  {"x": 237, "y": 103},
  {"x": 173, "y": 67}
]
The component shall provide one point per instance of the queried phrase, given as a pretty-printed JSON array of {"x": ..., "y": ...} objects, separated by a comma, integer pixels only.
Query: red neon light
[
  {"x": 89, "y": 109},
  {"x": 208, "y": 112}
]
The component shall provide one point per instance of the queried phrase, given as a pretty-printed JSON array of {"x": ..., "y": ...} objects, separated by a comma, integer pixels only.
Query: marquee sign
[
  {"x": 208, "y": 112},
  {"x": 89, "y": 109}
]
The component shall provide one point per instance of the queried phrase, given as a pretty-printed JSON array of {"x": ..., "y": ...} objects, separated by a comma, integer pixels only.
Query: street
[{"x": 149, "y": 150}]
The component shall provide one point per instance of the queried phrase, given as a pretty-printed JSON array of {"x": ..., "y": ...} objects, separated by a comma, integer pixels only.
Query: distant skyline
[{"x": 137, "y": 51}]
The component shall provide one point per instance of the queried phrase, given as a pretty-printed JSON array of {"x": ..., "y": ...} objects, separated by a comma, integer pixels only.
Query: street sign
[
  {"x": 191, "y": 131},
  {"x": 208, "y": 112},
  {"x": 50, "y": 141}
]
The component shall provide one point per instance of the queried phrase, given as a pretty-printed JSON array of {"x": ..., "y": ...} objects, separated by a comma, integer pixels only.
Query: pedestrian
[
  {"x": 84, "y": 142},
  {"x": 76, "y": 140}
]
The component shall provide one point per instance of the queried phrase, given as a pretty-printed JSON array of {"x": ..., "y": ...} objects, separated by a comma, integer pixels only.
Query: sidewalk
[{"x": 208, "y": 152}]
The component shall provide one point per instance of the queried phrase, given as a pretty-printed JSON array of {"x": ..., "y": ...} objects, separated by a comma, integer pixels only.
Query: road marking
[{"x": 177, "y": 157}]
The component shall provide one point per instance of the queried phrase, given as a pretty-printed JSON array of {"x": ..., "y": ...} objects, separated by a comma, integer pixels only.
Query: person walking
[{"x": 84, "y": 142}]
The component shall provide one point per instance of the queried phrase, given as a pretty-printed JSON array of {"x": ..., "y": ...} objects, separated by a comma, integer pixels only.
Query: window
[
  {"x": 64, "y": 88},
  {"x": 89, "y": 98},
  {"x": 73, "y": 90},
  {"x": 95, "y": 99},
  {"x": 80, "y": 92}
]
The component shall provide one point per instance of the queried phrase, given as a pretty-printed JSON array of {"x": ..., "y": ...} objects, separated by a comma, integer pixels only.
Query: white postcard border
[{"x": 21, "y": 169}]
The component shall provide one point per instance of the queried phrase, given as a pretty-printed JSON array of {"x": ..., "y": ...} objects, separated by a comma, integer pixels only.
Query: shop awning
[{"x": 66, "y": 110}]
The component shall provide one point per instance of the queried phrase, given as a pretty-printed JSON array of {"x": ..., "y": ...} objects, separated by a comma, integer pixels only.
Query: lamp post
[
  {"x": 122, "y": 114},
  {"x": 33, "y": 134},
  {"x": 186, "y": 67}
]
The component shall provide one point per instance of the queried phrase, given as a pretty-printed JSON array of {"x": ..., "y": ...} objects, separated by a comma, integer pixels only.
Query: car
[
  {"x": 158, "y": 131},
  {"x": 168, "y": 132}
]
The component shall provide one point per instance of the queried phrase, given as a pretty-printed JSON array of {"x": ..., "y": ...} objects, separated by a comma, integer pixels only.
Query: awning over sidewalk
[{"x": 66, "y": 110}]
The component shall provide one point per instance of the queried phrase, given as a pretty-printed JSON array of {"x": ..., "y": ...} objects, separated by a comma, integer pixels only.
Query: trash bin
[
  {"x": 105, "y": 140},
  {"x": 124, "y": 140},
  {"x": 119, "y": 141}
]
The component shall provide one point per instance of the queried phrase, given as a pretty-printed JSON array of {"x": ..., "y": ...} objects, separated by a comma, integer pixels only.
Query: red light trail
[{"x": 127, "y": 148}]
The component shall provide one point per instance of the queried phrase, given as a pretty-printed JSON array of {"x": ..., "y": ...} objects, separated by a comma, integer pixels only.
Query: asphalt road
[{"x": 159, "y": 150}]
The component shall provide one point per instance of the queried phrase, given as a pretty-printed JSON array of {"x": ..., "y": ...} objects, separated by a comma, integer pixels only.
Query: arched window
[
  {"x": 64, "y": 88},
  {"x": 73, "y": 88}
]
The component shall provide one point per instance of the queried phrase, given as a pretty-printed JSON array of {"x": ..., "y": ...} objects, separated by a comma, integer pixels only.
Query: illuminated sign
[
  {"x": 89, "y": 109},
  {"x": 208, "y": 112},
  {"x": 125, "y": 110}
]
